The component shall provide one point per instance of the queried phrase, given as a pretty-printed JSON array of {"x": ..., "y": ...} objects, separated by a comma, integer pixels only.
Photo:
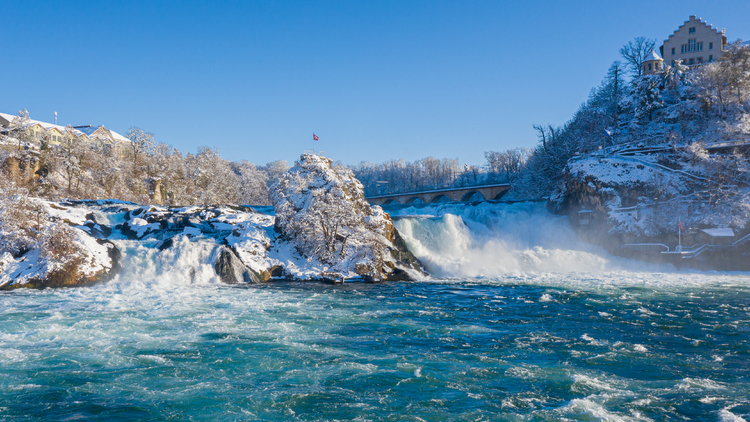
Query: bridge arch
[
  {"x": 390, "y": 202},
  {"x": 440, "y": 198},
  {"x": 471, "y": 196},
  {"x": 415, "y": 200}
]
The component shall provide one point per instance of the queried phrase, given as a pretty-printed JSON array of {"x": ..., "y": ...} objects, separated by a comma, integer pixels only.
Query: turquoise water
[
  {"x": 521, "y": 322},
  {"x": 508, "y": 349}
]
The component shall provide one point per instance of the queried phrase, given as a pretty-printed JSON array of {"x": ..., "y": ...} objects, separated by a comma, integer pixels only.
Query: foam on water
[{"x": 185, "y": 262}]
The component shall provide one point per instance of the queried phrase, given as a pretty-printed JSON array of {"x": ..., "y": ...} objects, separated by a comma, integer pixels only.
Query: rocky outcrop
[
  {"x": 89, "y": 270},
  {"x": 405, "y": 264},
  {"x": 321, "y": 210},
  {"x": 23, "y": 169},
  {"x": 643, "y": 206}
]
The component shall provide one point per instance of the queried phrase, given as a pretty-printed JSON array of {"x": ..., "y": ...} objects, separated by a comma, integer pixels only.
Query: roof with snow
[
  {"x": 90, "y": 130},
  {"x": 81, "y": 130},
  {"x": 719, "y": 232},
  {"x": 653, "y": 56},
  {"x": 45, "y": 125}
]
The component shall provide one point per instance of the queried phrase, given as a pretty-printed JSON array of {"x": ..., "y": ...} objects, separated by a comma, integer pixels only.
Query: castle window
[
  {"x": 691, "y": 30},
  {"x": 672, "y": 63},
  {"x": 710, "y": 58},
  {"x": 684, "y": 48},
  {"x": 691, "y": 61},
  {"x": 691, "y": 44},
  {"x": 657, "y": 66},
  {"x": 700, "y": 46},
  {"x": 673, "y": 51},
  {"x": 700, "y": 59},
  {"x": 710, "y": 46},
  {"x": 649, "y": 67}
]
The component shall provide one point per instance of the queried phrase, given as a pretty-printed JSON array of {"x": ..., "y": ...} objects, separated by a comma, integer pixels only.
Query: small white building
[{"x": 718, "y": 236}]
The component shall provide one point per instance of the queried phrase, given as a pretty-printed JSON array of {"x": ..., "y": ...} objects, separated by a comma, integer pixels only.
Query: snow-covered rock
[
  {"x": 321, "y": 211},
  {"x": 82, "y": 261}
]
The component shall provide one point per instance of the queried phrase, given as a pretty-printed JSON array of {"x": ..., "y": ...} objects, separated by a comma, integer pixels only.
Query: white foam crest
[
  {"x": 699, "y": 384},
  {"x": 588, "y": 406},
  {"x": 727, "y": 416}
]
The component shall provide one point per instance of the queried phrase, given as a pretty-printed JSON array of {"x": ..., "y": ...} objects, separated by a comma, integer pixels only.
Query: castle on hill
[{"x": 695, "y": 42}]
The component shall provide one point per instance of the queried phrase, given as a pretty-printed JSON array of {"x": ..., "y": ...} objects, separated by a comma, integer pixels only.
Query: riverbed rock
[{"x": 231, "y": 270}]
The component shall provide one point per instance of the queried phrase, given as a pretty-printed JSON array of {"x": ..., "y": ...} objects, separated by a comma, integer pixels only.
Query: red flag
[
  {"x": 315, "y": 137},
  {"x": 680, "y": 220}
]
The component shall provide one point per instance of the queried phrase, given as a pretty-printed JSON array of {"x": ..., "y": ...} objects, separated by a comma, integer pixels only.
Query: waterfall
[{"x": 494, "y": 240}]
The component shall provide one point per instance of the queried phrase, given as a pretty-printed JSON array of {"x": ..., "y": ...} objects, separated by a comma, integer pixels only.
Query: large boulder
[{"x": 231, "y": 270}]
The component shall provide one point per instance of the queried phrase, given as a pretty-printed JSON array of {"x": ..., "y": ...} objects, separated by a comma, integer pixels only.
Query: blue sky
[{"x": 376, "y": 80}]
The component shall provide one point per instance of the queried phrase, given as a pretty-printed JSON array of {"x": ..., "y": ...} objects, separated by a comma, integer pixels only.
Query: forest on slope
[{"x": 683, "y": 108}]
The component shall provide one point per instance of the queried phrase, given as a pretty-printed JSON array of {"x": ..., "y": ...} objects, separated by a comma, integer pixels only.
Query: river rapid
[{"x": 520, "y": 321}]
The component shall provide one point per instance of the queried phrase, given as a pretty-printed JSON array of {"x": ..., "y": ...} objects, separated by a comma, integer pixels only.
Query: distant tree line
[{"x": 400, "y": 176}]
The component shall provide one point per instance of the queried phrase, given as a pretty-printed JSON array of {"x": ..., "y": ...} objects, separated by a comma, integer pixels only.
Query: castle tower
[{"x": 653, "y": 64}]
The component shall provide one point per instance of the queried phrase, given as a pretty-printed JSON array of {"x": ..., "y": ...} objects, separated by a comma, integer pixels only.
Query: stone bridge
[{"x": 466, "y": 194}]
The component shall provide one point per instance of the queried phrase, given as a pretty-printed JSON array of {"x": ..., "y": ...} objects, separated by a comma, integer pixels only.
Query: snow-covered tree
[
  {"x": 140, "y": 143},
  {"x": 636, "y": 52},
  {"x": 21, "y": 219},
  {"x": 322, "y": 210},
  {"x": 19, "y": 128}
]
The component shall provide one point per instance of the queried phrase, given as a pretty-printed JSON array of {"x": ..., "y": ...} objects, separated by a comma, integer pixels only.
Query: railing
[
  {"x": 695, "y": 250},
  {"x": 627, "y": 158},
  {"x": 318, "y": 153}
]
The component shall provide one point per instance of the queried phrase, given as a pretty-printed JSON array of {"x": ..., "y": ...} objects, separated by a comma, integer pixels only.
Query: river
[{"x": 520, "y": 321}]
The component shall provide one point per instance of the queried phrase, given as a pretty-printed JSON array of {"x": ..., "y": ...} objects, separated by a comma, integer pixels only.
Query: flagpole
[
  {"x": 679, "y": 236},
  {"x": 313, "y": 144}
]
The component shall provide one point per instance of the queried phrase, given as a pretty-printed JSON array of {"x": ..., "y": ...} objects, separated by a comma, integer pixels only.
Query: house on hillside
[
  {"x": 53, "y": 134},
  {"x": 694, "y": 42}
]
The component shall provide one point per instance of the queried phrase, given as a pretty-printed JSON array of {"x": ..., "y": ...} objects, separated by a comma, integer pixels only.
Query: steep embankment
[{"x": 625, "y": 202}]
